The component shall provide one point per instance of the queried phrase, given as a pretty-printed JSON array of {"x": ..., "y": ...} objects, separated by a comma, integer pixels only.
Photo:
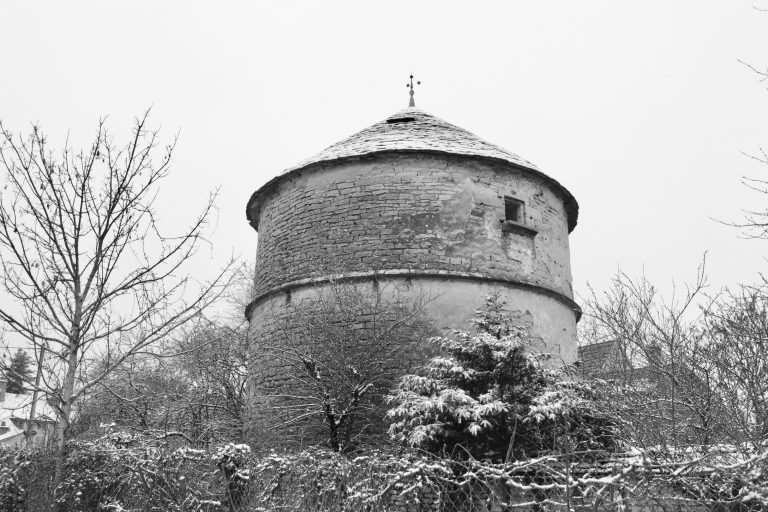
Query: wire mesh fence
[
  {"x": 416, "y": 483},
  {"x": 104, "y": 477}
]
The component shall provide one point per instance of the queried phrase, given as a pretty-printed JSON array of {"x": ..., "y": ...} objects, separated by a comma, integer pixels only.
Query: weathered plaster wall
[
  {"x": 415, "y": 211},
  {"x": 388, "y": 324},
  {"x": 549, "y": 319},
  {"x": 450, "y": 304}
]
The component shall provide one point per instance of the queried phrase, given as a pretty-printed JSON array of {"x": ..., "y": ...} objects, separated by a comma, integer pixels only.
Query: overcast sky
[{"x": 640, "y": 108}]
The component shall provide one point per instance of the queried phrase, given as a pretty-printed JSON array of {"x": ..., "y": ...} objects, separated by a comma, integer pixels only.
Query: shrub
[{"x": 103, "y": 476}]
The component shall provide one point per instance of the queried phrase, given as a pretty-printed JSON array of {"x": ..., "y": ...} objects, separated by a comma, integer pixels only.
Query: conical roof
[{"x": 413, "y": 129}]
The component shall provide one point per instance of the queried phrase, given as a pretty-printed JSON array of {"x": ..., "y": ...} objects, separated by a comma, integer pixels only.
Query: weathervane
[{"x": 410, "y": 86}]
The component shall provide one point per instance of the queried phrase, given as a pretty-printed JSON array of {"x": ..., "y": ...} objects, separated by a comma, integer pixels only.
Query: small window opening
[
  {"x": 513, "y": 210},
  {"x": 401, "y": 120}
]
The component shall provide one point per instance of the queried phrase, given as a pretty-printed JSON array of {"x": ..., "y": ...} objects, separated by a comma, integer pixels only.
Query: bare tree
[
  {"x": 340, "y": 348},
  {"x": 91, "y": 274},
  {"x": 755, "y": 223},
  {"x": 194, "y": 391},
  {"x": 738, "y": 329},
  {"x": 143, "y": 395},
  {"x": 213, "y": 359},
  {"x": 662, "y": 365}
]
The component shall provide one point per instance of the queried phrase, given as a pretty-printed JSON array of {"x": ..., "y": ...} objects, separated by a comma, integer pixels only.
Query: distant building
[
  {"x": 16, "y": 425},
  {"x": 600, "y": 360},
  {"x": 609, "y": 360},
  {"x": 658, "y": 395}
]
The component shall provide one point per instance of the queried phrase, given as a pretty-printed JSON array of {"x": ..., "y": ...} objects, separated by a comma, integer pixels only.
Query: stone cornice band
[{"x": 412, "y": 274}]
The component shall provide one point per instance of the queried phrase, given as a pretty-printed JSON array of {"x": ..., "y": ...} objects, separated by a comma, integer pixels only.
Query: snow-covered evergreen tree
[
  {"x": 490, "y": 397},
  {"x": 18, "y": 372}
]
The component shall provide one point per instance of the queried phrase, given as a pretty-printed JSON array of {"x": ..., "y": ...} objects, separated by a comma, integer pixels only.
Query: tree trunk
[
  {"x": 64, "y": 419},
  {"x": 333, "y": 427},
  {"x": 35, "y": 396}
]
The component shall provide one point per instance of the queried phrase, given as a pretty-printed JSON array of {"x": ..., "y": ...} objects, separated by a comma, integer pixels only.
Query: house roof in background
[
  {"x": 18, "y": 407},
  {"x": 595, "y": 356}
]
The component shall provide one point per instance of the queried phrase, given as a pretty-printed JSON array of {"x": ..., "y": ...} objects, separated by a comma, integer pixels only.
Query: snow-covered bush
[
  {"x": 92, "y": 473},
  {"x": 104, "y": 477},
  {"x": 13, "y": 463},
  {"x": 112, "y": 473},
  {"x": 319, "y": 479},
  {"x": 233, "y": 461},
  {"x": 489, "y": 397}
]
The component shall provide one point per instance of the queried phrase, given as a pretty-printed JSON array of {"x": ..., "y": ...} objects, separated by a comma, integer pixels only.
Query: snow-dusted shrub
[
  {"x": 234, "y": 461},
  {"x": 489, "y": 397},
  {"x": 323, "y": 480},
  {"x": 13, "y": 491},
  {"x": 137, "y": 476},
  {"x": 314, "y": 479},
  {"x": 113, "y": 473},
  {"x": 93, "y": 472}
]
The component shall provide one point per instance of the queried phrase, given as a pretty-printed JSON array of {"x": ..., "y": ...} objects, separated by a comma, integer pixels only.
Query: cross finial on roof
[{"x": 410, "y": 86}]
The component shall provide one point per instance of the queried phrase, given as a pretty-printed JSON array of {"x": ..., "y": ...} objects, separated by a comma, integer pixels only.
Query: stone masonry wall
[{"x": 417, "y": 211}]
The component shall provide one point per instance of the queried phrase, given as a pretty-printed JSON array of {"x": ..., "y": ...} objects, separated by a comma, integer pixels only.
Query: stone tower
[{"x": 414, "y": 199}]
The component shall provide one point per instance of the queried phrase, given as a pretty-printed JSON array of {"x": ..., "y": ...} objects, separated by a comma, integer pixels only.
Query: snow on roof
[{"x": 18, "y": 406}]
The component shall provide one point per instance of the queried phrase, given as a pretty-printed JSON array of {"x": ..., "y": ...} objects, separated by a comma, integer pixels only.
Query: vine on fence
[{"x": 106, "y": 476}]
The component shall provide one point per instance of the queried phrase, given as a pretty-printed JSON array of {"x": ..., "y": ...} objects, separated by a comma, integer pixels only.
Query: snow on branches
[{"x": 489, "y": 396}]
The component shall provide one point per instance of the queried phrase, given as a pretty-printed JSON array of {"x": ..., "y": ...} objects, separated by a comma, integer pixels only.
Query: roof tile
[{"x": 425, "y": 133}]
